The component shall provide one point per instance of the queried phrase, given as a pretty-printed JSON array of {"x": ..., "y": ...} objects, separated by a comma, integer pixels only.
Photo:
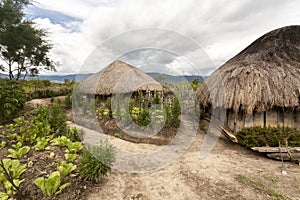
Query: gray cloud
[{"x": 221, "y": 28}]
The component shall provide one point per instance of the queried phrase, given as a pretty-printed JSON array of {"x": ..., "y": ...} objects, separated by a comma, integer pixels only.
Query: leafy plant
[
  {"x": 96, "y": 161},
  {"x": 51, "y": 185},
  {"x": 71, "y": 157},
  {"x": 12, "y": 187},
  {"x": 74, "y": 146},
  {"x": 4, "y": 196},
  {"x": 60, "y": 141},
  {"x": 12, "y": 99},
  {"x": 2, "y": 144},
  {"x": 14, "y": 168},
  {"x": 10, "y": 172},
  {"x": 57, "y": 119},
  {"x": 73, "y": 134},
  {"x": 19, "y": 151},
  {"x": 65, "y": 168},
  {"x": 41, "y": 143}
]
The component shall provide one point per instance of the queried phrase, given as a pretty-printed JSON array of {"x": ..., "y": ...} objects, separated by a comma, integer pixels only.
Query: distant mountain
[
  {"x": 174, "y": 79},
  {"x": 55, "y": 78},
  {"x": 165, "y": 77}
]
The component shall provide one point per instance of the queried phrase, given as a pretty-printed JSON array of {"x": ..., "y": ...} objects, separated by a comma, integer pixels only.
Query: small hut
[
  {"x": 260, "y": 85},
  {"x": 119, "y": 78}
]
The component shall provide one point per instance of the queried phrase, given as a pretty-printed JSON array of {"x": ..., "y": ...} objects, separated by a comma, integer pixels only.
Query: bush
[
  {"x": 68, "y": 101},
  {"x": 269, "y": 136},
  {"x": 12, "y": 99},
  {"x": 176, "y": 111},
  {"x": 173, "y": 114},
  {"x": 96, "y": 161},
  {"x": 57, "y": 119},
  {"x": 53, "y": 116}
]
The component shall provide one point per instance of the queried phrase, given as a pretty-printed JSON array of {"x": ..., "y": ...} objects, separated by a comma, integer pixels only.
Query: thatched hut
[
  {"x": 118, "y": 77},
  {"x": 260, "y": 85}
]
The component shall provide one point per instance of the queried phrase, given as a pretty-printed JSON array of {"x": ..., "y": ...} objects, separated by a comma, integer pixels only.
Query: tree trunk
[{"x": 11, "y": 76}]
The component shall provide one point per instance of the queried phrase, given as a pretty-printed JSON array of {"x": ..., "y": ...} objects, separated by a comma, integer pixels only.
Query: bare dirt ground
[{"x": 228, "y": 172}]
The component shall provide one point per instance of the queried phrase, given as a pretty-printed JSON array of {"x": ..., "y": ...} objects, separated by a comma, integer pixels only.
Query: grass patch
[{"x": 260, "y": 186}]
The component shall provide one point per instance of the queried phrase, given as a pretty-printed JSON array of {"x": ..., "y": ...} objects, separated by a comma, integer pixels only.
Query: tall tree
[{"x": 23, "y": 47}]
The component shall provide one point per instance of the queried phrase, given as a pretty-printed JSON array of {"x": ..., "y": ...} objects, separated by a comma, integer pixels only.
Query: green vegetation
[
  {"x": 14, "y": 94},
  {"x": 22, "y": 55},
  {"x": 65, "y": 168},
  {"x": 12, "y": 99},
  {"x": 96, "y": 161},
  {"x": 36, "y": 130},
  {"x": 51, "y": 185},
  {"x": 19, "y": 151},
  {"x": 139, "y": 111},
  {"x": 269, "y": 136},
  {"x": 41, "y": 143},
  {"x": 10, "y": 172},
  {"x": 261, "y": 187}
]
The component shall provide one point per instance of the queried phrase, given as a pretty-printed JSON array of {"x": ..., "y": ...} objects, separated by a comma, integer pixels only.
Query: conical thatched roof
[
  {"x": 118, "y": 77},
  {"x": 264, "y": 75}
]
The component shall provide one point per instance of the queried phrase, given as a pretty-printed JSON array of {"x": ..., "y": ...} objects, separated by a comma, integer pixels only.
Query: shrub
[
  {"x": 156, "y": 99},
  {"x": 176, "y": 111},
  {"x": 96, "y": 161},
  {"x": 58, "y": 120},
  {"x": 12, "y": 99},
  {"x": 173, "y": 114},
  {"x": 269, "y": 136},
  {"x": 68, "y": 101}
]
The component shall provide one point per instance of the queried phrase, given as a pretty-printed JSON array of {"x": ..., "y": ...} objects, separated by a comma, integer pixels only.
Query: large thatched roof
[
  {"x": 118, "y": 77},
  {"x": 264, "y": 75}
]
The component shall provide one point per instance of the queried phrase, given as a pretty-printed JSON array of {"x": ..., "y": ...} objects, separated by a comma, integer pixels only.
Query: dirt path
[{"x": 228, "y": 172}]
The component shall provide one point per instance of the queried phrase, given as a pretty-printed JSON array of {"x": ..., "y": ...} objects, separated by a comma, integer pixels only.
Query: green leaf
[
  {"x": 63, "y": 187},
  {"x": 3, "y": 196},
  {"x": 65, "y": 168},
  {"x": 2, "y": 145},
  {"x": 40, "y": 183},
  {"x": 60, "y": 141},
  {"x": 50, "y": 185},
  {"x": 53, "y": 183},
  {"x": 71, "y": 156},
  {"x": 74, "y": 146},
  {"x": 41, "y": 144}
]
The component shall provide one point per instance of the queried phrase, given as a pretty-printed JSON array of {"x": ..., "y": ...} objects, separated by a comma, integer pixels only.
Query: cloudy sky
[{"x": 170, "y": 36}]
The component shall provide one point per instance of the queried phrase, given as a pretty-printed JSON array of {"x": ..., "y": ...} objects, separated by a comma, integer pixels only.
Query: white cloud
[{"x": 222, "y": 28}]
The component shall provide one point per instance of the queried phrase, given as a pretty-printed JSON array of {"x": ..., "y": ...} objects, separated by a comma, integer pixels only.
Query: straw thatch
[
  {"x": 118, "y": 77},
  {"x": 263, "y": 76}
]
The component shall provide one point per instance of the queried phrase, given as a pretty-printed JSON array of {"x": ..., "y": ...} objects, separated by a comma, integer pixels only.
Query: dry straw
[{"x": 263, "y": 76}]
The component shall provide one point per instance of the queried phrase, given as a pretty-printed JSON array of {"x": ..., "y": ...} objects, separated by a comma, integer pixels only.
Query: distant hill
[
  {"x": 165, "y": 77},
  {"x": 174, "y": 79}
]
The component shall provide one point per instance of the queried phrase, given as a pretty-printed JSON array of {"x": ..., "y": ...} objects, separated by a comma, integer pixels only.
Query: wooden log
[
  {"x": 276, "y": 149},
  {"x": 285, "y": 156},
  {"x": 226, "y": 131},
  {"x": 276, "y": 156}
]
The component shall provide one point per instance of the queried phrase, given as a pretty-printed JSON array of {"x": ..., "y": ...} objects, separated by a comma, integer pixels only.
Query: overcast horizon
[{"x": 221, "y": 28}]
